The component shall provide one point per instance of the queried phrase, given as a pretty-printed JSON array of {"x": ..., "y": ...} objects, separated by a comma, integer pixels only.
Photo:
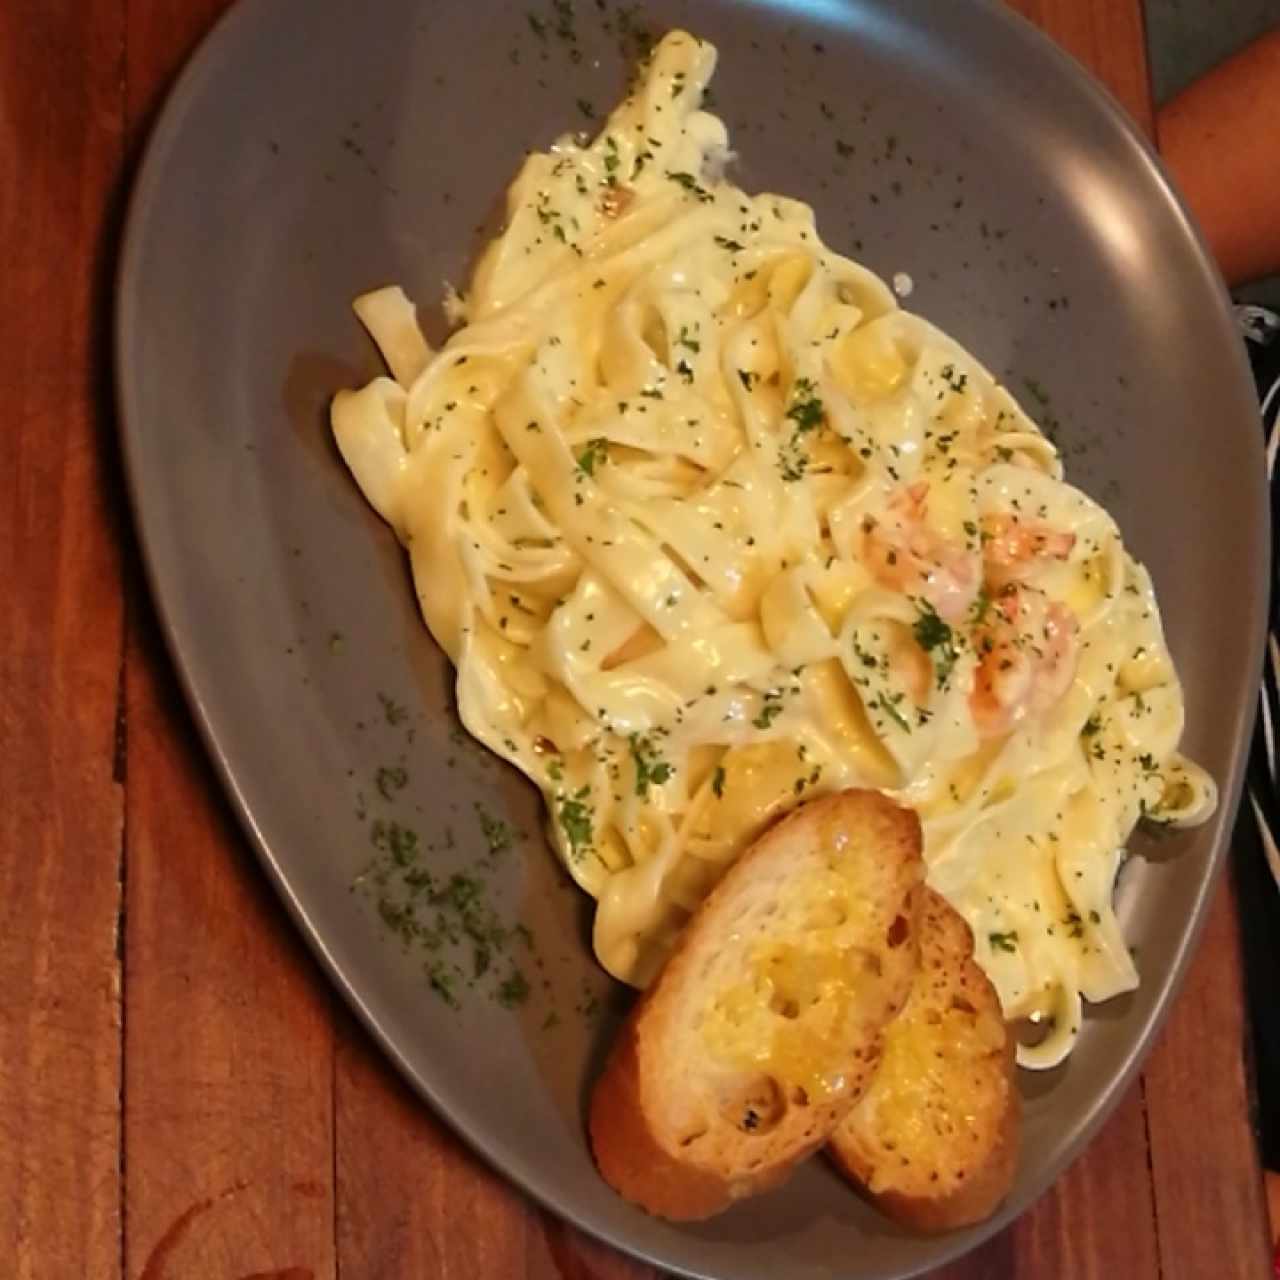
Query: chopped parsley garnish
[
  {"x": 886, "y": 704},
  {"x": 463, "y": 893},
  {"x": 717, "y": 781},
  {"x": 497, "y": 833},
  {"x": 865, "y": 656},
  {"x": 690, "y": 184},
  {"x": 611, "y": 160},
  {"x": 685, "y": 339},
  {"x": 1003, "y": 941},
  {"x": 448, "y": 918},
  {"x": 550, "y": 217},
  {"x": 807, "y": 412},
  {"x": 937, "y": 639},
  {"x": 400, "y": 843},
  {"x": 442, "y": 983},
  {"x": 390, "y": 779},
  {"x": 651, "y": 769},
  {"x": 806, "y": 409},
  {"x": 1036, "y": 390},
  {"x": 574, "y": 815},
  {"x": 747, "y": 378},
  {"x": 725, "y": 243},
  {"x": 513, "y": 990},
  {"x": 596, "y": 452},
  {"x": 395, "y": 713},
  {"x": 769, "y": 712},
  {"x": 1091, "y": 726},
  {"x": 793, "y": 461}
]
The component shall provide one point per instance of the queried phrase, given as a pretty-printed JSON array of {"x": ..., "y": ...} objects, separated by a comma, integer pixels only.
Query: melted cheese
[
  {"x": 788, "y": 1017},
  {"x": 709, "y": 525},
  {"x": 932, "y": 1090}
]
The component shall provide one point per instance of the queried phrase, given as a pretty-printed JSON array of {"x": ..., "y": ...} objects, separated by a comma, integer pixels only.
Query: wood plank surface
[
  {"x": 60, "y": 566},
  {"x": 228, "y": 1057},
  {"x": 224, "y": 1119},
  {"x": 413, "y": 1201},
  {"x": 1096, "y": 1222},
  {"x": 228, "y": 1143},
  {"x": 1208, "y": 1195}
]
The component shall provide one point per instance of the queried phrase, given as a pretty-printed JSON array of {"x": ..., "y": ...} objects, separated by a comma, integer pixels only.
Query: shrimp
[
  {"x": 903, "y": 554},
  {"x": 1027, "y": 659},
  {"x": 1010, "y": 545}
]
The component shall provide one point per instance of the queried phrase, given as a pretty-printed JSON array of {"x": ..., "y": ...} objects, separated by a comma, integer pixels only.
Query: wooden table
[{"x": 181, "y": 1095}]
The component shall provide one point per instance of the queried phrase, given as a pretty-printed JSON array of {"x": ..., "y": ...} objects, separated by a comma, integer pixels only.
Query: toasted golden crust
[
  {"x": 933, "y": 1142},
  {"x": 628, "y": 1153},
  {"x": 764, "y": 1026}
]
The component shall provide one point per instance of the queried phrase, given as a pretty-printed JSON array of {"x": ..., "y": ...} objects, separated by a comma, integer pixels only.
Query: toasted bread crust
[
  {"x": 983, "y": 1192},
  {"x": 628, "y": 1154},
  {"x": 971, "y": 1170},
  {"x": 674, "y": 1131}
]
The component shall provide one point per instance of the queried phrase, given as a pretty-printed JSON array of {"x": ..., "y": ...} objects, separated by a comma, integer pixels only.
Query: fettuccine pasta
[{"x": 709, "y": 525}]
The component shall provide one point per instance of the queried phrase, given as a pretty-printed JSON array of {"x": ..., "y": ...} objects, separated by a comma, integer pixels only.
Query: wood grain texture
[
  {"x": 228, "y": 1029},
  {"x": 1097, "y": 1221},
  {"x": 1209, "y": 1198},
  {"x": 60, "y": 568},
  {"x": 413, "y": 1202},
  {"x": 162, "y": 36}
]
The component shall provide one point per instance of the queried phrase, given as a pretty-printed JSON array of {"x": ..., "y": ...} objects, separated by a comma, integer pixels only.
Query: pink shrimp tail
[
  {"x": 1028, "y": 660},
  {"x": 1011, "y": 544},
  {"x": 905, "y": 554}
]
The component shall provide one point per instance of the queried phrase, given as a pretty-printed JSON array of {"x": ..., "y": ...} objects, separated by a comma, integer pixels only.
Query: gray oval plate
[{"x": 313, "y": 150}]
